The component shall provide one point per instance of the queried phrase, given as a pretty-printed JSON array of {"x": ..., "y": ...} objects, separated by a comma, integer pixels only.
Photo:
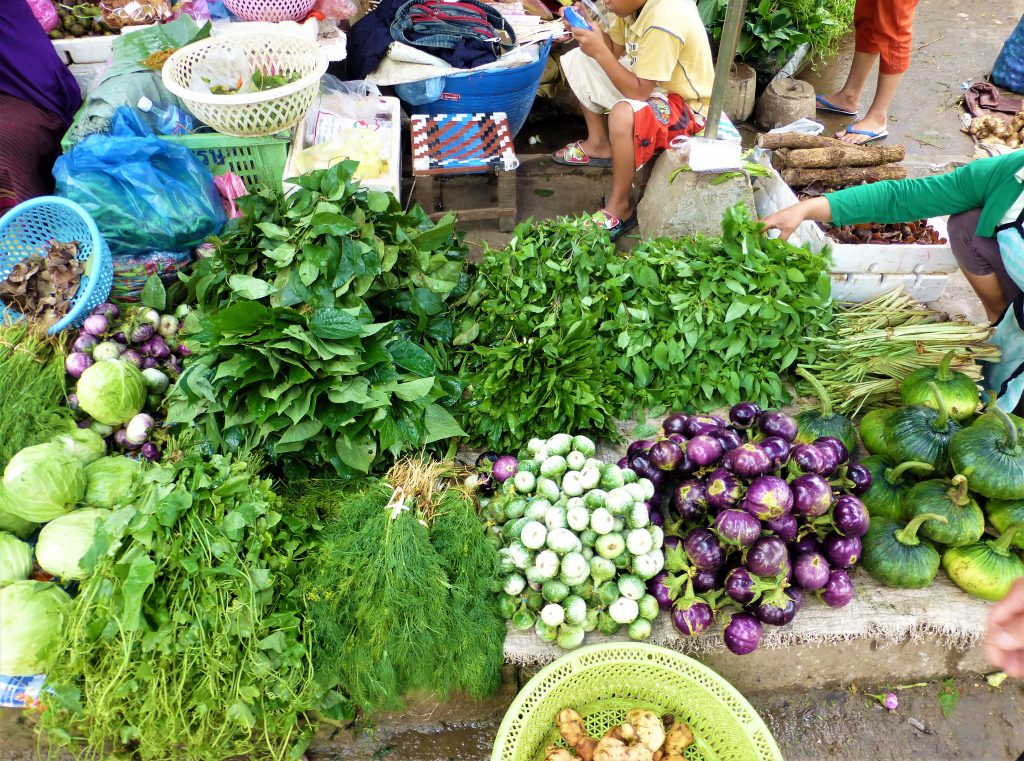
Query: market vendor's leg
[
  {"x": 597, "y": 144},
  {"x": 982, "y": 264},
  {"x": 596, "y": 94},
  {"x": 864, "y": 57},
  {"x": 620, "y": 128},
  {"x": 893, "y": 35}
]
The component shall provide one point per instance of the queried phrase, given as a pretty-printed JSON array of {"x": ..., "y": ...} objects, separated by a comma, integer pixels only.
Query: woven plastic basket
[
  {"x": 602, "y": 682},
  {"x": 270, "y": 10},
  {"x": 30, "y": 227},
  {"x": 256, "y": 114}
]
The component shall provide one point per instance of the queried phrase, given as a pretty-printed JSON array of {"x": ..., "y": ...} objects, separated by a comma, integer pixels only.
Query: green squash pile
[{"x": 942, "y": 477}]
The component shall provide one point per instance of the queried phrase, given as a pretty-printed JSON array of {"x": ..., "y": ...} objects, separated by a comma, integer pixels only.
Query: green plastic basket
[
  {"x": 602, "y": 682},
  {"x": 259, "y": 161}
]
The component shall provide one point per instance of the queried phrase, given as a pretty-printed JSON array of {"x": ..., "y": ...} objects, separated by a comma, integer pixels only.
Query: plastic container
[
  {"x": 511, "y": 91},
  {"x": 28, "y": 229},
  {"x": 270, "y": 10},
  {"x": 256, "y": 114}
]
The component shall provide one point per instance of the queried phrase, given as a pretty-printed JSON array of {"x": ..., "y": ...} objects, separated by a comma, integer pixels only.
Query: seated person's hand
[
  {"x": 1004, "y": 639},
  {"x": 592, "y": 41}
]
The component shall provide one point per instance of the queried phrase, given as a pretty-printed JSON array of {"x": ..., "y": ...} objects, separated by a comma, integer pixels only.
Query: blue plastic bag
[
  {"x": 1008, "y": 70},
  {"x": 145, "y": 193}
]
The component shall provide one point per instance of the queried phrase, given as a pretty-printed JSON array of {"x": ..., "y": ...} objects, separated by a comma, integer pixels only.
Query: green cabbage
[
  {"x": 15, "y": 559},
  {"x": 11, "y": 522},
  {"x": 110, "y": 480},
  {"x": 111, "y": 392},
  {"x": 43, "y": 482},
  {"x": 32, "y": 615},
  {"x": 84, "y": 444},
  {"x": 65, "y": 541}
]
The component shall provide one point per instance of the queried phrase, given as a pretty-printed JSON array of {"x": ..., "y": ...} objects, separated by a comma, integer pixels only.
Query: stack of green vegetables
[
  {"x": 568, "y": 335},
  {"x": 940, "y": 473},
  {"x": 322, "y": 328}
]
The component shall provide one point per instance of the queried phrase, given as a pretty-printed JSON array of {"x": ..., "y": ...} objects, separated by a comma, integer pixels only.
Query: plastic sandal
[
  {"x": 824, "y": 105},
  {"x": 617, "y": 227},
  {"x": 872, "y": 136},
  {"x": 574, "y": 155}
]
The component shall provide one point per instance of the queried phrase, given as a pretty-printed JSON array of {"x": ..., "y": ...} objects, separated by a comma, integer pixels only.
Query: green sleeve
[{"x": 961, "y": 190}]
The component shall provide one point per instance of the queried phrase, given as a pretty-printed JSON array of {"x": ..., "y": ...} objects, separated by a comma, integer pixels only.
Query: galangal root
[{"x": 644, "y": 737}]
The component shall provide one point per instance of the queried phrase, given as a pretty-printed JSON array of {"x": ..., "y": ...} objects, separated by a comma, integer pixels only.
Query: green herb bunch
[
  {"x": 188, "y": 640},
  {"x": 322, "y": 329}
]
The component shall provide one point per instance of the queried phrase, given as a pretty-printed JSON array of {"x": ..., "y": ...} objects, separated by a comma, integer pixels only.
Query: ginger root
[
  {"x": 570, "y": 725},
  {"x": 610, "y": 749},
  {"x": 553, "y": 753},
  {"x": 650, "y": 732},
  {"x": 586, "y": 748},
  {"x": 678, "y": 739}
]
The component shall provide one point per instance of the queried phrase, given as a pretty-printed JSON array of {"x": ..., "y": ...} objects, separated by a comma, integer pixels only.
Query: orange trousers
[{"x": 885, "y": 27}]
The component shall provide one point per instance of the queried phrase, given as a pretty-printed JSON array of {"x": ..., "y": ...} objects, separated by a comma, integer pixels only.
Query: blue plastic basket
[
  {"x": 30, "y": 227},
  {"x": 510, "y": 91}
]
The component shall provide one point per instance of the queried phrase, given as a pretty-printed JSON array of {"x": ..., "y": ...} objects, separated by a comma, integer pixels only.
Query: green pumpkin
[
  {"x": 991, "y": 454},
  {"x": 965, "y": 523},
  {"x": 824, "y": 422},
  {"x": 922, "y": 434},
  {"x": 985, "y": 569},
  {"x": 958, "y": 390},
  {"x": 895, "y": 555},
  {"x": 886, "y": 498},
  {"x": 1001, "y": 513},
  {"x": 872, "y": 430}
]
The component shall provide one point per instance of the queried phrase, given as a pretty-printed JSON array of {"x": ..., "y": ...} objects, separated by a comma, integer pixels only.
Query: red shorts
[
  {"x": 885, "y": 27},
  {"x": 658, "y": 123}
]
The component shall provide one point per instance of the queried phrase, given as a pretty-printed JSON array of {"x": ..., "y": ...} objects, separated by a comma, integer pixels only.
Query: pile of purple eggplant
[
  {"x": 754, "y": 520},
  {"x": 145, "y": 338}
]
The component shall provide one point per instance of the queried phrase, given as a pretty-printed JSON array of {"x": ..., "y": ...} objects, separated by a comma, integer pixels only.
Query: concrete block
[
  {"x": 785, "y": 101},
  {"x": 690, "y": 203}
]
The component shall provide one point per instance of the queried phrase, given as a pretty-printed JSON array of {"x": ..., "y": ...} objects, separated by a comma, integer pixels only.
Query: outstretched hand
[{"x": 1004, "y": 638}]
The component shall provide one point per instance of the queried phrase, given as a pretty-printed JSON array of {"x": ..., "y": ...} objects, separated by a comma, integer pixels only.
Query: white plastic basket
[
  {"x": 270, "y": 10},
  {"x": 256, "y": 114}
]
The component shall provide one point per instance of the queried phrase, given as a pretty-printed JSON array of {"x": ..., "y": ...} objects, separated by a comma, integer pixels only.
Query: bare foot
[
  {"x": 868, "y": 124},
  {"x": 622, "y": 211},
  {"x": 843, "y": 101}
]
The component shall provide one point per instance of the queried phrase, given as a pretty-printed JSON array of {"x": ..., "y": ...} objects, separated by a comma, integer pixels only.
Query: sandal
[
  {"x": 871, "y": 136},
  {"x": 615, "y": 226},
  {"x": 823, "y": 105},
  {"x": 574, "y": 155}
]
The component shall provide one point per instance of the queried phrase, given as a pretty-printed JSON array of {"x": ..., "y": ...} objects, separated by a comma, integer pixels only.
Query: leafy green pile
[
  {"x": 188, "y": 639},
  {"x": 570, "y": 336},
  {"x": 322, "y": 329}
]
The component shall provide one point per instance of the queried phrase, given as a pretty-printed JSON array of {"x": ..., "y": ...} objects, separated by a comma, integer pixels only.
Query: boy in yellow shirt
[{"x": 652, "y": 74}]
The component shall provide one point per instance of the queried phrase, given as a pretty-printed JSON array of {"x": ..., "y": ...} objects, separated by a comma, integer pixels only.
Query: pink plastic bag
[
  {"x": 230, "y": 187},
  {"x": 45, "y": 13},
  {"x": 338, "y": 10},
  {"x": 197, "y": 9}
]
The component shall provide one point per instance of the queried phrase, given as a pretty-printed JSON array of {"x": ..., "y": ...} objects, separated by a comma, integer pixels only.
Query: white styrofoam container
[
  {"x": 389, "y": 109},
  {"x": 862, "y": 272},
  {"x": 85, "y": 49}
]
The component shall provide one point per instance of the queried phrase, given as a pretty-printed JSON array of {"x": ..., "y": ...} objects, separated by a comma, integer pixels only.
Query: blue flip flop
[
  {"x": 824, "y": 105},
  {"x": 872, "y": 136}
]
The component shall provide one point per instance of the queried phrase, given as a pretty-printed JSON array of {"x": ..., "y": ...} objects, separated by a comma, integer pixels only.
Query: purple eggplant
[
  {"x": 95, "y": 325},
  {"x": 689, "y": 500},
  {"x": 838, "y": 590},
  {"x": 672, "y": 542},
  {"x": 810, "y": 570},
  {"x": 859, "y": 477},
  {"x": 742, "y": 634},
  {"x": 85, "y": 343},
  {"x": 657, "y": 587},
  {"x": 778, "y": 424},
  {"x": 838, "y": 447},
  {"x": 686, "y": 468},
  {"x": 150, "y": 451},
  {"x": 77, "y": 363},
  {"x": 677, "y": 438},
  {"x": 121, "y": 338},
  {"x": 812, "y": 496},
  {"x": 641, "y": 465},
  {"x": 640, "y": 446},
  {"x": 703, "y": 549},
  {"x": 108, "y": 310},
  {"x": 739, "y": 586},
  {"x": 73, "y": 402},
  {"x": 806, "y": 544},
  {"x": 744, "y": 414},
  {"x": 504, "y": 468},
  {"x": 121, "y": 439},
  {"x": 723, "y": 489},
  {"x": 182, "y": 350},
  {"x": 675, "y": 423},
  {"x": 657, "y": 519},
  {"x": 704, "y": 581},
  {"x": 665, "y": 455},
  {"x": 777, "y": 449},
  {"x": 785, "y": 527},
  {"x": 747, "y": 461},
  {"x": 768, "y": 497},
  {"x": 850, "y": 516},
  {"x": 737, "y": 527},
  {"x": 692, "y": 617},
  {"x": 704, "y": 450},
  {"x": 147, "y": 362},
  {"x": 157, "y": 348},
  {"x": 133, "y": 357},
  {"x": 623, "y": 463},
  {"x": 829, "y": 462},
  {"x": 485, "y": 460},
  {"x": 842, "y": 551},
  {"x": 805, "y": 458},
  {"x": 779, "y": 609},
  {"x": 84, "y": 423},
  {"x": 141, "y": 333},
  {"x": 700, "y": 424},
  {"x": 728, "y": 437},
  {"x": 174, "y": 366},
  {"x": 768, "y": 556}
]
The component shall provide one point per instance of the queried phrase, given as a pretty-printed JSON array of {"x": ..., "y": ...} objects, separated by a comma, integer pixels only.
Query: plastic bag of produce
[
  {"x": 121, "y": 13},
  {"x": 45, "y": 13},
  {"x": 145, "y": 193}
]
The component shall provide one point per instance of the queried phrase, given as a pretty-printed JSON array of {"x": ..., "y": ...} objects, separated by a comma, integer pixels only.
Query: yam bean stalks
[{"x": 642, "y": 738}]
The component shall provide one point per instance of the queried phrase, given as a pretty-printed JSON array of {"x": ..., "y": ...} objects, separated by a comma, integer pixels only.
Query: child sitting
[{"x": 652, "y": 74}]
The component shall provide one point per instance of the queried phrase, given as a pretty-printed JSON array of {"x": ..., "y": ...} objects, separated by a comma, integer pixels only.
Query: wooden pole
[{"x": 728, "y": 43}]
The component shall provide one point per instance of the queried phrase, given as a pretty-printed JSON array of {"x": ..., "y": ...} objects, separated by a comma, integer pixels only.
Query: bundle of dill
[
  {"x": 32, "y": 383},
  {"x": 397, "y": 589}
]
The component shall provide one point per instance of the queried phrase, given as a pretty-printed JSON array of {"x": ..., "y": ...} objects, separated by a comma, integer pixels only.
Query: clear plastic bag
[
  {"x": 337, "y": 10},
  {"x": 122, "y": 13},
  {"x": 45, "y": 13}
]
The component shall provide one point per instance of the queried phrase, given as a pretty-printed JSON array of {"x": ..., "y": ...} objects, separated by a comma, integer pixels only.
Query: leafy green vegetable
[
  {"x": 948, "y": 697},
  {"x": 33, "y": 615},
  {"x": 322, "y": 330},
  {"x": 188, "y": 638}
]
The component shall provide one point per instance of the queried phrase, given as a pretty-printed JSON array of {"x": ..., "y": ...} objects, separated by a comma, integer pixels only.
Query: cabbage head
[
  {"x": 83, "y": 444},
  {"x": 110, "y": 480},
  {"x": 43, "y": 482},
  {"x": 15, "y": 559},
  {"x": 65, "y": 541},
  {"x": 111, "y": 392},
  {"x": 32, "y": 617},
  {"x": 11, "y": 522}
]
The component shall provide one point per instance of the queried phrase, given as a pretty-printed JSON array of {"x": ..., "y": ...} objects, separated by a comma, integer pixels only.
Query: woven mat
[{"x": 941, "y": 613}]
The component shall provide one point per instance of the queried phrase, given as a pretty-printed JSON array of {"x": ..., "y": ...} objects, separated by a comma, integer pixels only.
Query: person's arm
[
  {"x": 599, "y": 46},
  {"x": 1004, "y": 638},
  {"x": 788, "y": 219}
]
